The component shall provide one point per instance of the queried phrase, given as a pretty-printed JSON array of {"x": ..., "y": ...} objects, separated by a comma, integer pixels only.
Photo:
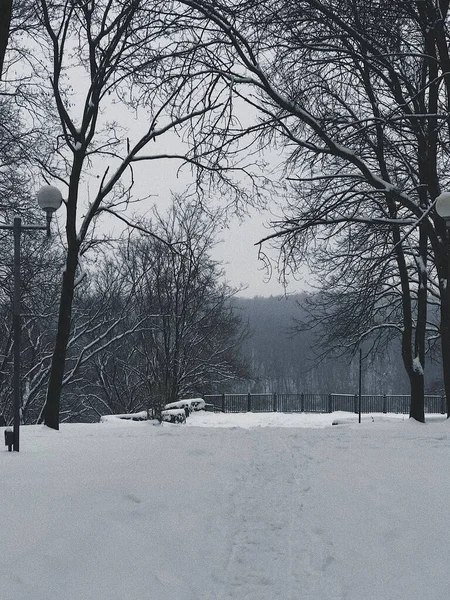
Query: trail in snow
[
  {"x": 273, "y": 552},
  {"x": 264, "y": 509}
]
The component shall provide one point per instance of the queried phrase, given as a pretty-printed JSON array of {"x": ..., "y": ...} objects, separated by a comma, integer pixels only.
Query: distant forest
[{"x": 281, "y": 360}]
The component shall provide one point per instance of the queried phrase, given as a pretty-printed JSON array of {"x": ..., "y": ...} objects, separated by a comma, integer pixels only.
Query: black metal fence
[{"x": 320, "y": 403}]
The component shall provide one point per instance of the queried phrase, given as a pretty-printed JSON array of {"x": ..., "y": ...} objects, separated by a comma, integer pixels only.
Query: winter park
[{"x": 224, "y": 299}]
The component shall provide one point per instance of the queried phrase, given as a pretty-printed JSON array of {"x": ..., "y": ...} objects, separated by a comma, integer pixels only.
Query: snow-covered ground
[{"x": 249, "y": 507}]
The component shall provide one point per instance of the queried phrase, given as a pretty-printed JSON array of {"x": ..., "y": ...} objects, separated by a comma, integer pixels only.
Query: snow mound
[{"x": 276, "y": 419}]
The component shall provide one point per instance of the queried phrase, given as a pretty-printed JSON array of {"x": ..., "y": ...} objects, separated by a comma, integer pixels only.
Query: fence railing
[{"x": 321, "y": 403}]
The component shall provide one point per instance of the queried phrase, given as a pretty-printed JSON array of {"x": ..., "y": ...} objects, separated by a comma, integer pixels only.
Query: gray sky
[
  {"x": 158, "y": 179},
  {"x": 236, "y": 244},
  {"x": 240, "y": 255}
]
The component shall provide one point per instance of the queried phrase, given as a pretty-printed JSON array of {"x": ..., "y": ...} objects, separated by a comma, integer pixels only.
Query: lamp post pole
[
  {"x": 360, "y": 385},
  {"x": 17, "y": 229},
  {"x": 49, "y": 199},
  {"x": 17, "y": 226}
]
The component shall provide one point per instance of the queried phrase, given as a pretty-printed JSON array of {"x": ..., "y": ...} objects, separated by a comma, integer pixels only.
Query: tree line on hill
[{"x": 285, "y": 359}]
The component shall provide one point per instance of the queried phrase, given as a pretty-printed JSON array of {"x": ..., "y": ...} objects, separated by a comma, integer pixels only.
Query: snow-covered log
[
  {"x": 139, "y": 416},
  {"x": 190, "y": 403},
  {"x": 174, "y": 415}
]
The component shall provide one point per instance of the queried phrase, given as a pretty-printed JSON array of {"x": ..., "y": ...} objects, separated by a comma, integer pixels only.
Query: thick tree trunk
[
  {"x": 5, "y": 22},
  {"x": 417, "y": 383},
  {"x": 417, "y": 377},
  {"x": 413, "y": 366},
  {"x": 52, "y": 402}
]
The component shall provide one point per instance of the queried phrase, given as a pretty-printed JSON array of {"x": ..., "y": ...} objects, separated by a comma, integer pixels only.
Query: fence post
[
  {"x": 330, "y": 403},
  {"x": 356, "y": 407},
  {"x": 275, "y": 407},
  {"x": 384, "y": 404},
  {"x": 443, "y": 406},
  {"x": 302, "y": 402},
  {"x": 223, "y": 402},
  {"x": 249, "y": 402}
]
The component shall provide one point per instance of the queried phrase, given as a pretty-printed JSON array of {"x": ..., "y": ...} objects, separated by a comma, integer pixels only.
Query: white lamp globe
[
  {"x": 443, "y": 205},
  {"x": 49, "y": 198}
]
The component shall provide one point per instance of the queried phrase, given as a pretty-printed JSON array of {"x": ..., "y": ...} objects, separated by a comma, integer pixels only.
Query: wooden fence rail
[{"x": 321, "y": 403}]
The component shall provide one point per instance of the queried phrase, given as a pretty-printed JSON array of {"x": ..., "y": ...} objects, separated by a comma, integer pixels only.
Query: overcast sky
[
  {"x": 159, "y": 179},
  {"x": 156, "y": 181},
  {"x": 236, "y": 247}
]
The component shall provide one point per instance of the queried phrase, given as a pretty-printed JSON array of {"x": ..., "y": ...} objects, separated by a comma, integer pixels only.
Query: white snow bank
[
  {"x": 278, "y": 419},
  {"x": 209, "y": 512}
]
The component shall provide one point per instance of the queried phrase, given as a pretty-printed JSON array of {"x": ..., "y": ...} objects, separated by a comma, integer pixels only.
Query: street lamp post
[
  {"x": 49, "y": 199},
  {"x": 443, "y": 210}
]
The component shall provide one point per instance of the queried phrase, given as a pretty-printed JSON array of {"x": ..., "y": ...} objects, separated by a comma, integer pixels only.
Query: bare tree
[
  {"x": 134, "y": 53},
  {"x": 101, "y": 321},
  {"x": 188, "y": 338},
  {"x": 192, "y": 343},
  {"x": 361, "y": 301},
  {"x": 357, "y": 92}
]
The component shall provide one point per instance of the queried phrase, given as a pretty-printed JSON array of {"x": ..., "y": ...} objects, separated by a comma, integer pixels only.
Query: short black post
[
  {"x": 302, "y": 402},
  {"x": 249, "y": 402},
  {"x": 384, "y": 404},
  {"x": 330, "y": 403},
  {"x": 275, "y": 406},
  {"x": 9, "y": 439},
  {"x": 223, "y": 402}
]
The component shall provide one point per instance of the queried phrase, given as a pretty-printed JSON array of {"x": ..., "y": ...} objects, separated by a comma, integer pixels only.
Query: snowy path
[
  {"x": 275, "y": 550},
  {"x": 139, "y": 512},
  {"x": 271, "y": 553},
  {"x": 263, "y": 513}
]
